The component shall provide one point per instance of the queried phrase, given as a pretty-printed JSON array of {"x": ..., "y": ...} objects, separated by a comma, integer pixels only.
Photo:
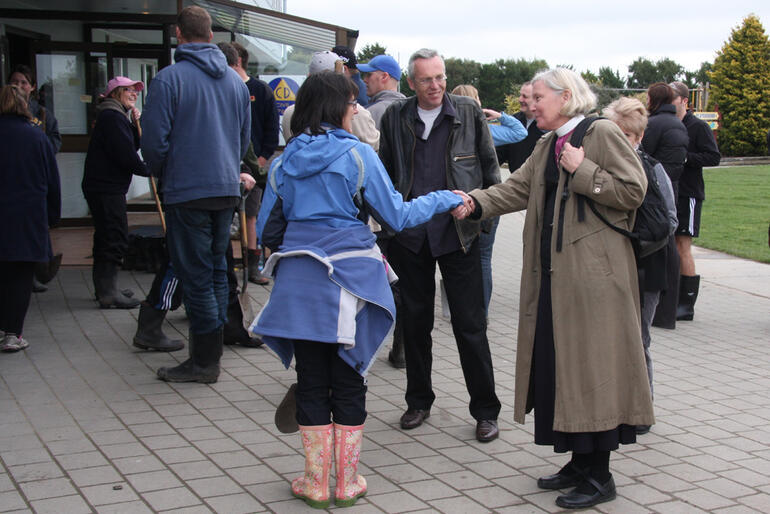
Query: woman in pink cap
[{"x": 111, "y": 161}]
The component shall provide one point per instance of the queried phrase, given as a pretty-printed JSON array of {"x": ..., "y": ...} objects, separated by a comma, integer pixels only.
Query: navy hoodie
[{"x": 196, "y": 125}]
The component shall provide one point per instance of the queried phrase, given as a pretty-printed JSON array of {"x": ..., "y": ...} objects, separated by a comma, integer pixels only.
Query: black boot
[
  {"x": 234, "y": 333},
  {"x": 203, "y": 364},
  {"x": 396, "y": 355},
  {"x": 688, "y": 293},
  {"x": 105, "y": 276},
  {"x": 149, "y": 332},
  {"x": 256, "y": 276}
]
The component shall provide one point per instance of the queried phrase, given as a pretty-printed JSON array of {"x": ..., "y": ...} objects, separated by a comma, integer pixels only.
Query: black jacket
[
  {"x": 112, "y": 159},
  {"x": 666, "y": 139},
  {"x": 470, "y": 154},
  {"x": 30, "y": 193},
  {"x": 516, "y": 153},
  {"x": 701, "y": 151},
  {"x": 264, "y": 118}
]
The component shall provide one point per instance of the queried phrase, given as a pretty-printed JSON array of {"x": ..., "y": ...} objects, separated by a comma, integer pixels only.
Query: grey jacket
[
  {"x": 380, "y": 102},
  {"x": 471, "y": 159}
]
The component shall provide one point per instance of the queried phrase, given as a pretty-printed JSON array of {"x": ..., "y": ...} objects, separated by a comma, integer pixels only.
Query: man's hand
[
  {"x": 467, "y": 207},
  {"x": 262, "y": 161},
  {"x": 248, "y": 181},
  {"x": 571, "y": 157}
]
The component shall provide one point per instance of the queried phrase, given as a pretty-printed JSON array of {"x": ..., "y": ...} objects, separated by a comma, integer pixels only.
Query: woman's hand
[
  {"x": 135, "y": 114},
  {"x": 490, "y": 114},
  {"x": 571, "y": 157}
]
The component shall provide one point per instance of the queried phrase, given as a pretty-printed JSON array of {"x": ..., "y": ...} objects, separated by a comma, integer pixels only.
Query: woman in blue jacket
[
  {"x": 30, "y": 196},
  {"x": 111, "y": 162},
  {"x": 331, "y": 306}
]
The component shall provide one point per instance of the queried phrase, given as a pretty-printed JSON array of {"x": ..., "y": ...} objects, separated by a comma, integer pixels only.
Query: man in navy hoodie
[{"x": 196, "y": 130}]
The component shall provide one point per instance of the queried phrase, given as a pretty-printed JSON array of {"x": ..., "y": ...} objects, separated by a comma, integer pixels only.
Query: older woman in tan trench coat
[{"x": 580, "y": 361}]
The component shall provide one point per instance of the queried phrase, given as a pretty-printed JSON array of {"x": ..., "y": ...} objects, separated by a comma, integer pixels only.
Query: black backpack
[{"x": 652, "y": 227}]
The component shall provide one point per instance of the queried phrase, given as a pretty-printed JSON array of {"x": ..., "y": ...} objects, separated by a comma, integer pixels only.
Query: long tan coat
[{"x": 601, "y": 377}]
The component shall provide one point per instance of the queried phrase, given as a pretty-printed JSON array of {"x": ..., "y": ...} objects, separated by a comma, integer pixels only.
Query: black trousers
[
  {"x": 108, "y": 212},
  {"x": 463, "y": 284},
  {"x": 15, "y": 292},
  {"x": 327, "y": 387}
]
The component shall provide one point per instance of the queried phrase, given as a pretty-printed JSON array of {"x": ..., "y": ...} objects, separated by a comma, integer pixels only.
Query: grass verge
[{"x": 736, "y": 213}]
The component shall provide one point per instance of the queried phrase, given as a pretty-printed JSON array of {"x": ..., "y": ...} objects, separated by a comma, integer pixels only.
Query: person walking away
[{"x": 30, "y": 194}]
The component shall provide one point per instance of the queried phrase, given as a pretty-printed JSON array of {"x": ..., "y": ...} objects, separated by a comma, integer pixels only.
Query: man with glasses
[{"x": 429, "y": 142}]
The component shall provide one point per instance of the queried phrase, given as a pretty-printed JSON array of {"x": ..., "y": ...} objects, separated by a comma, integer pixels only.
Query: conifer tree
[{"x": 741, "y": 86}]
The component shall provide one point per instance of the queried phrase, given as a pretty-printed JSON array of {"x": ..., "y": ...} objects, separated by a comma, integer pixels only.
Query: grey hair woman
[{"x": 580, "y": 363}]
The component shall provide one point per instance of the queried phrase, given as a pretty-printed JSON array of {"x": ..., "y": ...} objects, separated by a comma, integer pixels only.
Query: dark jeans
[
  {"x": 108, "y": 212},
  {"x": 462, "y": 281},
  {"x": 15, "y": 292},
  {"x": 197, "y": 241},
  {"x": 486, "y": 241},
  {"x": 327, "y": 387}
]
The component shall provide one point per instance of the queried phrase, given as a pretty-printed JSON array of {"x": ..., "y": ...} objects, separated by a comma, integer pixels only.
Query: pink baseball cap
[{"x": 122, "y": 82}]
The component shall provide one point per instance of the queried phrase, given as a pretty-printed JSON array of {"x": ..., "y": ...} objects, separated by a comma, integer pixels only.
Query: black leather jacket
[{"x": 471, "y": 157}]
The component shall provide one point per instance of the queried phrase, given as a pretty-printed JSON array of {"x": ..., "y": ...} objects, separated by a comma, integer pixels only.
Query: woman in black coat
[
  {"x": 111, "y": 162},
  {"x": 30, "y": 195},
  {"x": 666, "y": 140}
]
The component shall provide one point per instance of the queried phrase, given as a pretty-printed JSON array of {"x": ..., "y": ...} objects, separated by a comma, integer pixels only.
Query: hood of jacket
[
  {"x": 206, "y": 56},
  {"x": 111, "y": 104},
  {"x": 307, "y": 154}
]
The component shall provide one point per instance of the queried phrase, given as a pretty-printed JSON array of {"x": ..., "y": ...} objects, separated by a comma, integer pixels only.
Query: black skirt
[{"x": 544, "y": 384}]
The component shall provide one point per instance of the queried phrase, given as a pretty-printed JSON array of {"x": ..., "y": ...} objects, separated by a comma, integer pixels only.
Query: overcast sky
[{"x": 583, "y": 33}]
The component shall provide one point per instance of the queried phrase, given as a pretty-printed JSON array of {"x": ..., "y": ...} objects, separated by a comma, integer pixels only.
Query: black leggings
[
  {"x": 327, "y": 386},
  {"x": 16, "y": 290}
]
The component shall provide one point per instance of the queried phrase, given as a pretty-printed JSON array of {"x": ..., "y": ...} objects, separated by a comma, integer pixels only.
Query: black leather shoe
[
  {"x": 413, "y": 418},
  {"x": 575, "y": 500},
  {"x": 642, "y": 429},
  {"x": 560, "y": 480},
  {"x": 486, "y": 430}
]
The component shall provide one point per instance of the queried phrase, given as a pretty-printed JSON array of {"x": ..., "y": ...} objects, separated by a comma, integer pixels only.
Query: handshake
[{"x": 466, "y": 208}]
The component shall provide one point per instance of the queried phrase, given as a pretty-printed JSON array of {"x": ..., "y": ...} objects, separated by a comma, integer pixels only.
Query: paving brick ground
[{"x": 86, "y": 427}]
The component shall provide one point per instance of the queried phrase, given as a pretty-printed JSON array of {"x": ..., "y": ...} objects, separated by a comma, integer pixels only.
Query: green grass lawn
[{"x": 736, "y": 212}]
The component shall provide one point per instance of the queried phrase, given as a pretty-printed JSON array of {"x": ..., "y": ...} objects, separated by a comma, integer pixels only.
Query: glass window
[{"x": 62, "y": 88}]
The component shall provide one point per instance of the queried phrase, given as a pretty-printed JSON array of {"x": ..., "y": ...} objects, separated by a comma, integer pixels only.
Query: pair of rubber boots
[
  {"x": 105, "y": 277},
  {"x": 321, "y": 444},
  {"x": 688, "y": 294}
]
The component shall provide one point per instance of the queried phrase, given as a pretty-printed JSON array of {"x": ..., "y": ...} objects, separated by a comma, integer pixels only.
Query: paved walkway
[{"x": 86, "y": 427}]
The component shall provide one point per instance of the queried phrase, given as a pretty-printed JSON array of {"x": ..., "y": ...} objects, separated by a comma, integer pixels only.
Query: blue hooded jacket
[
  {"x": 331, "y": 281},
  {"x": 196, "y": 125}
]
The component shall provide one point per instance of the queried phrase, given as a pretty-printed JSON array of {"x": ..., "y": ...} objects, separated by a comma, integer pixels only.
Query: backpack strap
[
  {"x": 361, "y": 173},
  {"x": 576, "y": 140},
  {"x": 273, "y": 171}
]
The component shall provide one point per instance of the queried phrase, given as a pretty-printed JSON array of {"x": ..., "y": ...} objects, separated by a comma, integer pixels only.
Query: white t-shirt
[{"x": 428, "y": 117}]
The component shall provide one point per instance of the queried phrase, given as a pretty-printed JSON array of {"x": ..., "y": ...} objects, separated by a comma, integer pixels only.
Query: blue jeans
[
  {"x": 197, "y": 240},
  {"x": 486, "y": 241}
]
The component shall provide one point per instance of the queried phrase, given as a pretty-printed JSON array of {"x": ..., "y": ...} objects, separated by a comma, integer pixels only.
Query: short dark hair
[
  {"x": 323, "y": 99},
  {"x": 658, "y": 94},
  {"x": 242, "y": 53},
  {"x": 231, "y": 54},
  {"x": 194, "y": 23}
]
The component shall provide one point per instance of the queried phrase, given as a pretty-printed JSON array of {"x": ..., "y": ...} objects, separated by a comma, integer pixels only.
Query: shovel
[{"x": 247, "y": 310}]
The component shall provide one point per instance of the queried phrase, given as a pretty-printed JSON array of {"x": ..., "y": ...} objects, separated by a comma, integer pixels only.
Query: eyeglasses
[
  {"x": 427, "y": 81},
  {"x": 354, "y": 103},
  {"x": 131, "y": 91}
]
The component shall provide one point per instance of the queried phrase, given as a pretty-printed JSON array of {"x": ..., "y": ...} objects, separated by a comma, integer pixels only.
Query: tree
[
  {"x": 461, "y": 71},
  {"x": 504, "y": 77},
  {"x": 590, "y": 77},
  {"x": 740, "y": 82},
  {"x": 368, "y": 51},
  {"x": 610, "y": 78},
  {"x": 643, "y": 72}
]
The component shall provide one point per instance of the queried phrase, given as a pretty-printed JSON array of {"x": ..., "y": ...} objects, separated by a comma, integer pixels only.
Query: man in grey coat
[{"x": 382, "y": 75}]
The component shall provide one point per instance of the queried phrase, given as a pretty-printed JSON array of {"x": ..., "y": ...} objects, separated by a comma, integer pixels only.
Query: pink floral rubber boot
[
  {"x": 313, "y": 486},
  {"x": 347, "y": 450}
]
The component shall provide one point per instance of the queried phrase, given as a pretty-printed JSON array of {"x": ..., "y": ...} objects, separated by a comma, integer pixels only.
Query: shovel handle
[{"x": 154, "y": 187}]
